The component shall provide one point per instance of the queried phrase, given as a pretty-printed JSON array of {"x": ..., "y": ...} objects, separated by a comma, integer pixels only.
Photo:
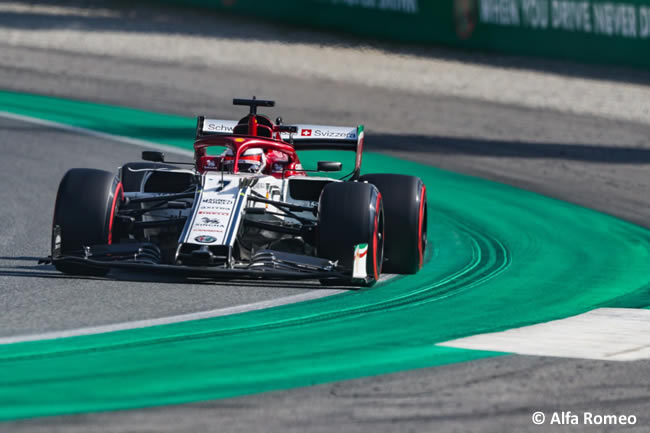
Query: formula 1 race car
[{"x": 251, "y": 211}]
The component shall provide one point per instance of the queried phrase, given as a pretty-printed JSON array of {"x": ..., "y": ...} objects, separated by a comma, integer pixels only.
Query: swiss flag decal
[{"x": 305, "y": 133}]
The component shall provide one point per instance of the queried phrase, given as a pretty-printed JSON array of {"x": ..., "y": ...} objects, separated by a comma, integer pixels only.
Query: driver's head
[{"x": 251, "y": 161}]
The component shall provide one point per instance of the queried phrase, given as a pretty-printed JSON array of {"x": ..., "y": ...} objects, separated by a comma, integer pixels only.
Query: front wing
[{"x": 144, "y": 257}]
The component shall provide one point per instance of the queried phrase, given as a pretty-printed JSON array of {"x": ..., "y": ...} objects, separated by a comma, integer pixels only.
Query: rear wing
[
  {"x": 305, "y": 137},
  {"x": 206, "y": 127}
]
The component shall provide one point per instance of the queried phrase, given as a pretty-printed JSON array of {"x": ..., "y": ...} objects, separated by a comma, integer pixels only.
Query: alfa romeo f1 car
[{"x": 251, "y": 211}]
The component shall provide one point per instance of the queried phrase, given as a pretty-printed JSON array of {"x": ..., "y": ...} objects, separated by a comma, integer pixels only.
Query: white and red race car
[{"x": 251, "y": 211}]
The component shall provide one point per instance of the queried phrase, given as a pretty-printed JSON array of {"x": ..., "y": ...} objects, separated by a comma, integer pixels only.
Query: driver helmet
[{"x": 251, "y": 161}]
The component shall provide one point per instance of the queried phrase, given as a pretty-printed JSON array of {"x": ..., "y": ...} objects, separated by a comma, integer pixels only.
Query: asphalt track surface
[{"x": 592, "y": 161}]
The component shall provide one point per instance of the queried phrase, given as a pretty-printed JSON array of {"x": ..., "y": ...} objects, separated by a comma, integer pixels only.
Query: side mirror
[
  {"x": 329, "y": 166},
  {"x": 153, "y": 156}
]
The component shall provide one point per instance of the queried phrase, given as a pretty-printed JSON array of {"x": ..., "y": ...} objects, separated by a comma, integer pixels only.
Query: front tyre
[
  {"x": 351, "y": 213},
  {"x": 84, "y": 212},
  {"x": 405, "y": 205}
]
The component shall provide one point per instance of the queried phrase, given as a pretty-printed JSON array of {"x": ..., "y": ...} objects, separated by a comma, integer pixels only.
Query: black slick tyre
[
  {"x": 351, "y": 213},
  {"x": 85, "y": 208},
  {"x": 405, "y": 209}
]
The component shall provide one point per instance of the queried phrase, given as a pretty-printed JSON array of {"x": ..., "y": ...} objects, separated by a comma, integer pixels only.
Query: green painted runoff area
[{"x": 500, "y": 258}]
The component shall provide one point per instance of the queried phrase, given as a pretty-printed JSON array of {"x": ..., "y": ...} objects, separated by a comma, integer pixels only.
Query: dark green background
[{"x": 435, "y": 24}]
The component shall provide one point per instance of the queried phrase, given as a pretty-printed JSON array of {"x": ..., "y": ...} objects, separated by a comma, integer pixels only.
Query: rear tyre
[
  {"x": 83, "y": 215},
  {"x": 351, "y": 213},
  {"x": 405, "y": 207}
]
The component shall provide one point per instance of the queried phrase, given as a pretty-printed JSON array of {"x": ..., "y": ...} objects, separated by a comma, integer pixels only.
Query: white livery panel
[{"x": 217, "y": 213}]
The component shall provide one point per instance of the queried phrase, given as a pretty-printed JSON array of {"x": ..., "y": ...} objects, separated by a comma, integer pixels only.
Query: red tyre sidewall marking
[
  {"x": 420, "y": 223},
  {"x": 374, "y": 238},
  {"x": 119, "y": 192}
]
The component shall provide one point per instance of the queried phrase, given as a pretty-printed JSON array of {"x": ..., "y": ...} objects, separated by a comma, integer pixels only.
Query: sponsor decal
[
  {"x": 217, "y": 127},
  {"x": 324, "y": 131},
  {"x": 213, "y": 208},
  {"x": 211, "y": 221},
  {"x": 352, "y": 135},
  {"x": 329, "y": 133},
  {"x": 204, "y": 227},
  {"x": 626, "y": 20},
  {"x": 204, "y": 239},
  {"x": 221, "y": 201},
  {"x": 403, "y": 6},
  {"x": 206, "y": 212},
  {"x": 465, "y": 16}
]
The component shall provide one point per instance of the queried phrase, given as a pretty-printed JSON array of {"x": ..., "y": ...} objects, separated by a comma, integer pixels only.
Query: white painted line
[
  {"x": 92, "y": 133},
  {"x": 91, "y": 330},
  {"x": 610, "y": 334},
  {"x": 315, "y": 294}
]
